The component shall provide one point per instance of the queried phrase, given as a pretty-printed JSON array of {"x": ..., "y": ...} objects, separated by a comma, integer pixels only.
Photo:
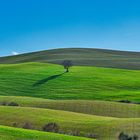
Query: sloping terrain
[
  {"x": 9, "y": 133},
  {"x": 103, "y": 128},
  {"x": 100, "y": 108},
  {"x": 85, "y": 100},
  {"x": 81, "y": 56},
  {"x": 85, "y": 83}
]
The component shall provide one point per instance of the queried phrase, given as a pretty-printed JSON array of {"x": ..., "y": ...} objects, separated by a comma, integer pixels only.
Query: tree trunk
[{"x": 67, "y": 69}]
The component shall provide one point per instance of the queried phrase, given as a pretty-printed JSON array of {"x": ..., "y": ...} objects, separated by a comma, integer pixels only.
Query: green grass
[
  {"x": 100, "y": 108},
  {"x": 78, "y": 91},
  {"x": 81, "y": 56},
  {"x": 9, "y": 133},
  {"x": 103, "y": 127},
  {"x": 85, "y": 83}
]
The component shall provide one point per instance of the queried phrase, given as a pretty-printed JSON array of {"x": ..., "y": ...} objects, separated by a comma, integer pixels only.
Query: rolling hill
[
  {"x": 86, "y": 83},
  {"x": 81, "y": 56},
  {"x": 99, "y": 108},
  {"x": 9, "y": 133},
  {"x": 103, "y": 128},
  {"x": 83, "y": 101}
]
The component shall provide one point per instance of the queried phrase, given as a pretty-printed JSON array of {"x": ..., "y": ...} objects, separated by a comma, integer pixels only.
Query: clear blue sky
[{"x": 32, "y": 25}]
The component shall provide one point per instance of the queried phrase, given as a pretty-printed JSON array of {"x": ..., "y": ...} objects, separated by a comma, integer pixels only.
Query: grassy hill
[
  {"x": 100, "y": 108},
  {"x": 103, "y": 128},
  {"x": 50, "y": 81},
  {"x": 81, "y": 56},
  {"x": 9, "y": 133},
  {"x": 81, "y": 101}
]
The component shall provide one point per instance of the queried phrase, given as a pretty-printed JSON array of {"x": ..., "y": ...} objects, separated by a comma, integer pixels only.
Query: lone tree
[{"x": 67, "y": 64}]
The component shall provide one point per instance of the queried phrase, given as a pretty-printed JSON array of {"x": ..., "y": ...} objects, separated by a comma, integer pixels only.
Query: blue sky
[{"x": 32, "y": 25}]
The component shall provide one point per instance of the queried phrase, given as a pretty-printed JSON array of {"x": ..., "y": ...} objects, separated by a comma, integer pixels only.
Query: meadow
[
  {"x": 85, "y": 83},
  {"x": 99, "y": 108},
  {"x": 103, "y": 128},
  {"x": 85, "y": 101},
  {"x": 9, "y": 133}
]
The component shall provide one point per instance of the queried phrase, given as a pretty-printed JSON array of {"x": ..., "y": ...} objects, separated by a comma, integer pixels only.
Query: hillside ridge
[{"x": 80, "y": 57}]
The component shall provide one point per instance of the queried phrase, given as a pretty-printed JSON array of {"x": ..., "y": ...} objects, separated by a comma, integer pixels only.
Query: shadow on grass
[{"x": 45, "y": 80}]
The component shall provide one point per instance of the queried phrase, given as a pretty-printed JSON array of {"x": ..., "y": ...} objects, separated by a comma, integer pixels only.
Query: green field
[
  {"x": 85, "y": 83},
  {"x": 102, "y": 127},
  {"x": 81, "y": 56},
  {"x": 100, "y": 108},
  {"x": 83, "y": 101},
  {"x": 9, "y": 133}
]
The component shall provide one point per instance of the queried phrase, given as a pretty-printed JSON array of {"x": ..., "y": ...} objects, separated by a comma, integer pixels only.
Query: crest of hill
[{"x": 81, "y": 56}]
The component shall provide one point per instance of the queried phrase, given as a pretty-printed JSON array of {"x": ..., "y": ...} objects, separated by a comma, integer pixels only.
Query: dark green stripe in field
[{"x": 81, "y": 56}]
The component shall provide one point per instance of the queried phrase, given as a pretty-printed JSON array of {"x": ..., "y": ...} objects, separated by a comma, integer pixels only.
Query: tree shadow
[{"x": 45, "y": 80}]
